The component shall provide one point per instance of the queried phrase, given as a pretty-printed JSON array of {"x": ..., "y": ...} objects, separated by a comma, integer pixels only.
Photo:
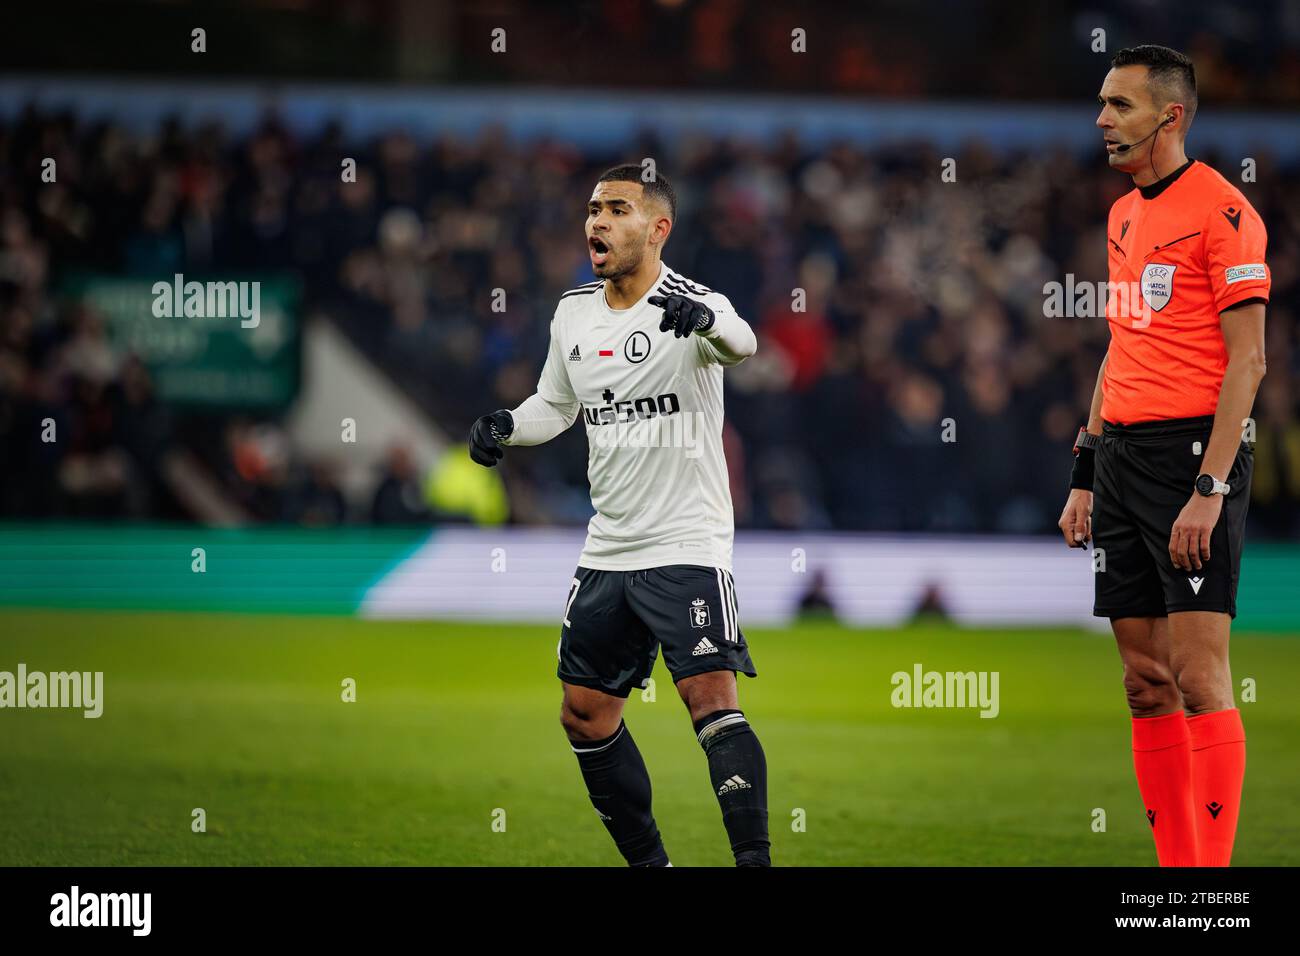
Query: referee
[{"x": 1161, "y": 479}]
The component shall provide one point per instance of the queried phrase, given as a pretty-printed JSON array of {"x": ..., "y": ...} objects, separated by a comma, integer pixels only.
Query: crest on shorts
[
  {"x": 1158, "y": 284},
  {"x": 699, "y": 613}
]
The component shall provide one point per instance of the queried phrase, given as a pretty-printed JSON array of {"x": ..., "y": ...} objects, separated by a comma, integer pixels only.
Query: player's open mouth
[{"x": 599, "y": 251}]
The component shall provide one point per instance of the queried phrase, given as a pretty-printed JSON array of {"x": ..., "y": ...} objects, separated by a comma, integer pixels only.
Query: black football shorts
[
  {"x": 615, "y": 622},
  {"x": 1145, "y": 474}
]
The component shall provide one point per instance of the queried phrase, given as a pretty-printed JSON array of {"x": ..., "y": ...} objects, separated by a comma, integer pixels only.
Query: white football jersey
[{"x": 652, "y": 405}]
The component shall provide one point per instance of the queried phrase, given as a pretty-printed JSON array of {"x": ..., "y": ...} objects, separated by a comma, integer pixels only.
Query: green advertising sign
[{"x": 232, "y": 342}]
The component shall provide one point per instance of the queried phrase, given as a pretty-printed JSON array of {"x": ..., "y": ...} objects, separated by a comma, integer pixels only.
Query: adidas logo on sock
[
  {"x": 705, "y": 647},
  {"x": 575, "y": 355},
  {"x": 734, "y": 783}
]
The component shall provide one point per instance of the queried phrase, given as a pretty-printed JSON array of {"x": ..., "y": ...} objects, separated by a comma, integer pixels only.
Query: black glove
[
  {"x": 485, "y": 435},
  {"x": 682, "y": 315}
]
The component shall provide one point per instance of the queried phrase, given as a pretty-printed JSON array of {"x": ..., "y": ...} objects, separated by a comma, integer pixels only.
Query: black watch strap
[{"x": 1086, "y": 439}]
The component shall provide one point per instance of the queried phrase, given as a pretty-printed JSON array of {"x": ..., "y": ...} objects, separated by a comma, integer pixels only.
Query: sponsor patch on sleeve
[{"x": 1254, "y": 270}]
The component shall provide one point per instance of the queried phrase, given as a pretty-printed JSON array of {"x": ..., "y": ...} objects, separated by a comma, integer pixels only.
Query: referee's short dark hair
[
  {"x": 1170, "y": 74},
  {"x": 658, "y": 186}
]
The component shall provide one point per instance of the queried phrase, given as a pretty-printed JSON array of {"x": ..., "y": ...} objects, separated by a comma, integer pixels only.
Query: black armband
[
  {"x": 1085, "y": 450},
  {"x": 1082, "y": 472}
]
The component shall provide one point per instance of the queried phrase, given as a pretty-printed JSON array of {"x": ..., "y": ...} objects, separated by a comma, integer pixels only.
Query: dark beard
[{"x": 627, "y": 269}]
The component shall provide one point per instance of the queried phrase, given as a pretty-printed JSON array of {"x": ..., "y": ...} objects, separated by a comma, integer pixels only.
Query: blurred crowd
[
  {"x": 921, "y": 386},
  {"x": 1247, "y": 54}
]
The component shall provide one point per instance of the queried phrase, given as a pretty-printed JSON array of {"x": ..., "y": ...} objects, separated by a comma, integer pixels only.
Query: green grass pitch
[{"x": 242, "y": 715}]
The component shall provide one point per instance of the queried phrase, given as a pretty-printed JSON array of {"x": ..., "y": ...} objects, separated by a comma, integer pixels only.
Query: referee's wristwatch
[
  {"x": 1086, "y": 439},
  {"x": 1207, "y": 485}
]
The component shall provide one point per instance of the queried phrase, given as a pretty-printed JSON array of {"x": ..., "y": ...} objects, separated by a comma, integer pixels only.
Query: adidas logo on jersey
[
  {"x": 575, "y": 355},
  {"x": 733, "y": 783},
  {"x": 705, "y": 647}
]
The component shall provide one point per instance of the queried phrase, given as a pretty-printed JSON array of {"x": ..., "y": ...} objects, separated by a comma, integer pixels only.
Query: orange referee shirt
[{"x": 1181, "y": 251}]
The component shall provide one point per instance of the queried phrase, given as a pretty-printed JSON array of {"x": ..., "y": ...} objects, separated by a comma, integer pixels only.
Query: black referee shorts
[
  {"x": 1145, "y": 474},
  {"x": 615, "y": 622}
]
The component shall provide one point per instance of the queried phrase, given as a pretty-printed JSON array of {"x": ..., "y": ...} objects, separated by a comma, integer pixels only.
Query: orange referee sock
[
  {"x": 1162, "y": 759},
  {"x": 1218, "y": 743}
]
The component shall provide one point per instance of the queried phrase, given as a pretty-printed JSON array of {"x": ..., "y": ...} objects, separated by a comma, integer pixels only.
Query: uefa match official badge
[
  {"x": 1158, "y": 284},
  {"x": 699, "y": 613}
]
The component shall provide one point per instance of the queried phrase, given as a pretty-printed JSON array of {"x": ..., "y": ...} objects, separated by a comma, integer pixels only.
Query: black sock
[
  {"x": 619, "y": 788},
  {"x": 738, "y": 769}
]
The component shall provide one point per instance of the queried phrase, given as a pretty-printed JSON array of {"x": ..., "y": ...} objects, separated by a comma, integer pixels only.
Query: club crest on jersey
[
  {"x": 1158, "y": 284},
  {"x": 699, "y": 613},
  {"x": 637, "y": 348}
]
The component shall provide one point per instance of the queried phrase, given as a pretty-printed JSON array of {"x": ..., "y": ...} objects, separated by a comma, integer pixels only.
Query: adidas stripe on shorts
[{"x": 616, "y": 621}]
